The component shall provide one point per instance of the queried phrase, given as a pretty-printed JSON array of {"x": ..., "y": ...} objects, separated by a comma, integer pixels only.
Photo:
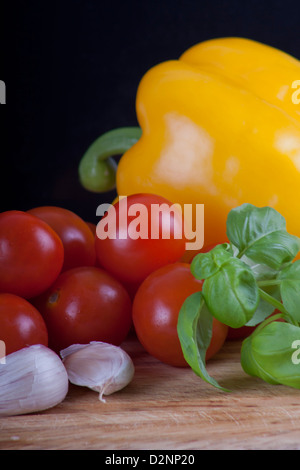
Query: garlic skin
[
  {"x": 99, "y": 366},
  {"x": 32, "y": 379}
]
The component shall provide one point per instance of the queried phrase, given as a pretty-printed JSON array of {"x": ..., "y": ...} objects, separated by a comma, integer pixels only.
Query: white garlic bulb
[
  {"x": 99, "y": 366},
  {"x": 32, "y": 379}
]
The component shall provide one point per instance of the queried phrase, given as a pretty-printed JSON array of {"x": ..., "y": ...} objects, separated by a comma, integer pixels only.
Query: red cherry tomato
[
  {"x": 131, "y": 259},
  {"x": 92, "y": 227},
  {"x": 85, "y": 304},
  {"x": 76, "y": 236},
  {"x": 31, "y": 254},
  {"x": 155, "y": 313},
  {"x": 21, "y": 324}
]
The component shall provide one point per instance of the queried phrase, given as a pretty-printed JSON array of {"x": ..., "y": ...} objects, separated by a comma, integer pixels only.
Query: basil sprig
[
  {"x": 260, "y": 234},
  {"x": 245, "y": 280},
  {"x": 196, "y": 331},
  {"x": 269, "y": 354}
]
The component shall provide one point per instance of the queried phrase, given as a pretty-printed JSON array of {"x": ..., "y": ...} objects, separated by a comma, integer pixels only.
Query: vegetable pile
[
  {"x": 55, "y": 296},
  {"x": 62, "y": 288},
  {"x": 180, "y": 312},
  {"x": 51, "y": 291},
  {"x": 71, "y": 292}
]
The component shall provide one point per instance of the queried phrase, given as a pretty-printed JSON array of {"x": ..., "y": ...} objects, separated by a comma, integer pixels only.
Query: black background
[{"x": 72, "y": 69}]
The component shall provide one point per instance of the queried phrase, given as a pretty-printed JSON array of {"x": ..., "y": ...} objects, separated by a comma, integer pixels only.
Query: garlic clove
[
  {"x": 100, "y": 366},
  {"x": 32, "y": 379}
]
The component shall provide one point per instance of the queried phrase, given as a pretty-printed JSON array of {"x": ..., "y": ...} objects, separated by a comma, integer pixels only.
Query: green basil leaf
[
  {"x": 232, "y": 294},
  {"x": 261, "y": 271},
  {"x": 272, "y": 354},
  {"x": 194, "y": 329},
  {"x": 205, "y": 265},
  {"x": 260, "y": 234},
  {"x": 290, "y": 289},
  {"x": 264, "y": 308}
]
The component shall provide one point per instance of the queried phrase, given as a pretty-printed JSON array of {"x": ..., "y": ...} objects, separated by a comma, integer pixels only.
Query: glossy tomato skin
[
  {"x": 92, "y": 227},
  {"x": 85, "y": 304},
  {"x": 31, "y": 254},
  {"x": 76, "y": 236},
  {"x": 21, "y": 324},
  {"x": 132, "y": 260},
  {"x": 155, "y": 313}
]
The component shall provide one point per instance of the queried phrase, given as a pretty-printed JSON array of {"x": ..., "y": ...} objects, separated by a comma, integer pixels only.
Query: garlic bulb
[
  {"x": 99, "y": 366},
  {"x": 32, "y": 379}
]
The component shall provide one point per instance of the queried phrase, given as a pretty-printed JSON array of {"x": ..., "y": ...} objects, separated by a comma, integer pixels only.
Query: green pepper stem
[{"x": 97, "y": 168}]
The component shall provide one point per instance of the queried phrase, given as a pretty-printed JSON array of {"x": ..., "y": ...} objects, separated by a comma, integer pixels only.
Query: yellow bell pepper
[{"x": 218, "y": 127}]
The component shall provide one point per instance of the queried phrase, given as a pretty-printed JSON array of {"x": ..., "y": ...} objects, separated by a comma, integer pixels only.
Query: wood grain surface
[{"x": 166, "y": 408}]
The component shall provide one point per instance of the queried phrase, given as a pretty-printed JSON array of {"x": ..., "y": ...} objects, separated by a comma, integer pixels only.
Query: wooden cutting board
[{"x": 166, "y": 408}]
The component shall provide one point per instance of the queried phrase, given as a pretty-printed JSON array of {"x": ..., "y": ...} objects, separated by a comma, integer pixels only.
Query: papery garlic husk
[
  {"x": 32, "y": 379},
  {"x": 100, "y": 366}
]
